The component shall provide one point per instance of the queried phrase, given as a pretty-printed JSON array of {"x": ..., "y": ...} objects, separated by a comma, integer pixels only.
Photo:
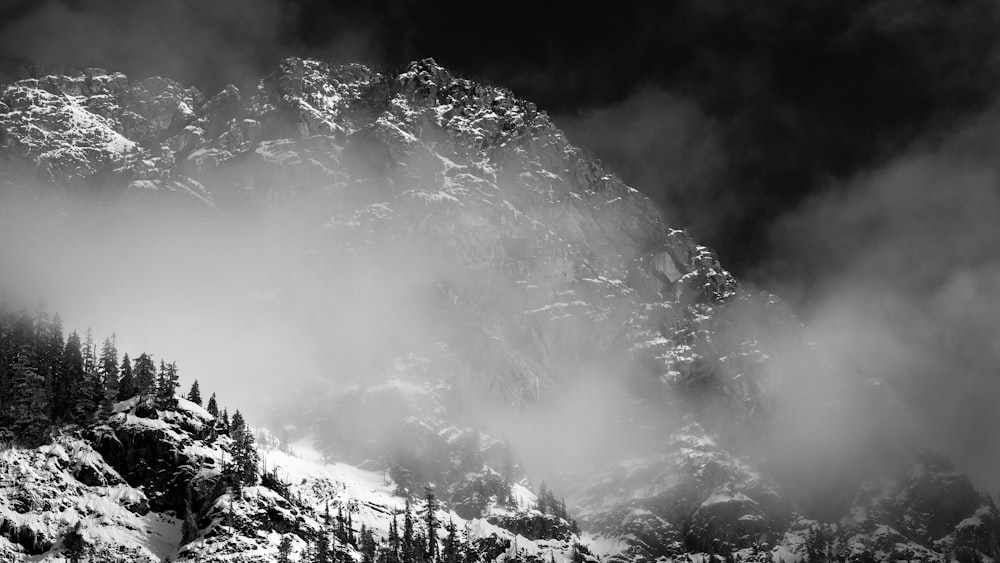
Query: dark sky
[{"x": 727, "y": 113}]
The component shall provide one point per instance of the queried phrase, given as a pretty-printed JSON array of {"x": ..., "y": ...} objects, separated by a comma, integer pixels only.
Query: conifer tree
[
  {"x": 366, "y": 544},
  {"x": 40, "y": 325},
  {"x": 88, "y": 399},
  {"x": 30, "y": 402},
  {"x": 194, "y": 395},
  {"x": 71, "y": 383},
  {"x": 159, "y": 382},
  {"x": 89, "y": 389},
  {"x": 225, "y": 421},
  {"x": 508, "y": 476},
  {"x": 89, "y": 354},
  {"x": 451, "y": 553},
  {"x": 107, "y": 366},
  {"x": 213, "y": 406},
  {"x": 144, "y": 374},
  {"x": 166, "y": 386},
  {"x": 237, "y": 424},
  {"x": 543, "y": 498},
  {"x": 126, "y": 384},
  {"x": 245, "y": 458},
  {"x": 393, "y": 555},
  {"x": 409, "y": 549},
  {"x": 50, "y": 362},
  {"x": 432, "y": 523}
]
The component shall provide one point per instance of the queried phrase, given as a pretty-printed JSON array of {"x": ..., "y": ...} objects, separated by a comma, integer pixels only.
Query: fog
[
  {"x": 908, "y": 258},
  {"x": 893, "y": 268}
]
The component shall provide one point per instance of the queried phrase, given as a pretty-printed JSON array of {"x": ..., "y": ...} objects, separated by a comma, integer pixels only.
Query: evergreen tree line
[
  {"x": 49, "y": 379},
  {"x": 413, "y": 538},
  {"x": 548, "y": 504}
]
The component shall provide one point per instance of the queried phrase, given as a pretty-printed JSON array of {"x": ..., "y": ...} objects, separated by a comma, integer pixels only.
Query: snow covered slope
[{"x": 144, "y": 508}]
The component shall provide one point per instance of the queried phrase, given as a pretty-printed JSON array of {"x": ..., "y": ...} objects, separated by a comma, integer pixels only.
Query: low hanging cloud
[{"x": 907, "y": 259}]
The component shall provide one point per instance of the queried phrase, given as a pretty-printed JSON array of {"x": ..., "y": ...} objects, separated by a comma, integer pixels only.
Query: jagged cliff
[{"x": 523, "y": 262}]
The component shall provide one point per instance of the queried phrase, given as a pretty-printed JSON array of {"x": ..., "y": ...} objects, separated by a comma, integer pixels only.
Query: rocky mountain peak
[{"x": 516, "y": 264}]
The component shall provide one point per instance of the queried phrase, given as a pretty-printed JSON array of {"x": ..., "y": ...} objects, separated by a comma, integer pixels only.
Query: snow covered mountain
[
  {"x": 160, "y": 497},
  {"x": 510, "y": 266}
]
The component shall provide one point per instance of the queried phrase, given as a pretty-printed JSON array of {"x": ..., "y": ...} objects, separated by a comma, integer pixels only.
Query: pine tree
[
  {"x": 393, "y": 539},
  {"x": 366, "y": 545},
  {"x": 224, "y": 425},
  {"x": 194, "y": 395},
  {"x": 107, "y": 366},
  {"x": 213, "y": 406},
  {"x": 126, "y": 384},
  {"x": 144, "y": 374},
  {"x": 50, "y": 363},
  {"x": 71, "y": 383},
  {"x": 409, "y": 549},
  {"x": 543, "y": 498},
  {"x": 432, "y": 523},
  {"x": 29, "y": 408},
  {"x": 245, "y": 457},
  {"x": 89, "y": 354},
  {"x": 341, "y": 531},
  {"x": 87, "y": 389},
  {"x": 237, "y": 424},
  {"x": 166, "y": 386},
  {"x": 452, "y": 552}
]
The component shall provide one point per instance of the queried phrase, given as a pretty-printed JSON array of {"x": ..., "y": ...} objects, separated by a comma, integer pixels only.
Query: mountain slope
[
  {"x": 488, "y": 265},
  {"x": 162, "y": 496}
]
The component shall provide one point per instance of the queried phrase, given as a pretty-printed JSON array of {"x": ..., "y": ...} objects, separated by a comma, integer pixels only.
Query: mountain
[
  {"x": 148, "y": 484},
  {"x": 498, "y": 299}
]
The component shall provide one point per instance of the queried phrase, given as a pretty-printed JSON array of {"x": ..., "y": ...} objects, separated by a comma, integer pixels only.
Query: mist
[{"x": 907, "y": 256}]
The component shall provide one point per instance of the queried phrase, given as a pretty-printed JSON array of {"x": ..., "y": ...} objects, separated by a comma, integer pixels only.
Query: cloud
[{"x": 906, "y": 259}]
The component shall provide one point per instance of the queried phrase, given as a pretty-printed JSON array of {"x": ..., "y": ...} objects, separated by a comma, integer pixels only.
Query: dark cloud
[{"x": 800, "y": 95}]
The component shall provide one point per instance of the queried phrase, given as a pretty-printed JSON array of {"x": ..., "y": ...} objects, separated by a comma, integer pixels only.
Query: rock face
[
  {"x": 535, "y": 262},
  {"x": 146, "y": 484}
]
